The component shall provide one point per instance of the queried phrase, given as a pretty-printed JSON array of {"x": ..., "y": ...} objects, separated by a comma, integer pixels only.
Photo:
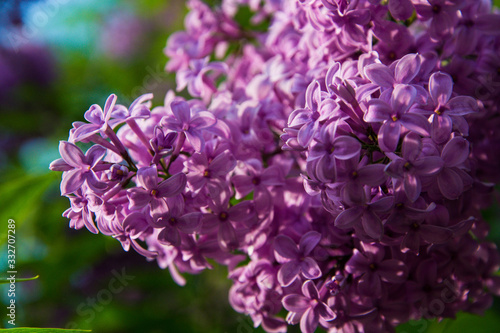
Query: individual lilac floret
[
  {"x": 197, "y": 78},
  {"x": 442, "y": 13},
  {"x": 79, "y": 168},
  {"x": 153, "y": 191},
  {"x": 83, "y": 206},
  {"x": 202, "y": 171},
  {"x": 307, "y": 120},
  {"x": 405, "y": 70},
  {"x": 258, "y": 180},
  {"x": 308, "y": 307},
  {"x": 417, "y": 233},
  {"x": 372, "y": 268},
  {"x": 297, "y": 259},
  {"x": 162, "y": 144},
  {"x": 98, "y": 120},
  {"x": 222, "y": 218},
  {"x": 175, "y": 221},
  {"x": 321, "y": 161},
  {"x": 395, "y": 116},
  {"x": 446, "y": 111},
  {"x": 189, "y": 122},
  {"x": 451, "y": 179},
  {"x": 364, "y": 216},
  {"x": 413, "y": 165}
]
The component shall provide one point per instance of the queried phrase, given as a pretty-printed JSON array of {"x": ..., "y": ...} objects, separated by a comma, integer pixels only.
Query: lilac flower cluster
[{"x": 337, "y": 162}]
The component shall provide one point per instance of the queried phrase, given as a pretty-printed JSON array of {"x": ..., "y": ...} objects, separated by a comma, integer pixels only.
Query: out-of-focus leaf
[
  {"x": 6, "y": 280},
  {"x": 20, "y": 198}
]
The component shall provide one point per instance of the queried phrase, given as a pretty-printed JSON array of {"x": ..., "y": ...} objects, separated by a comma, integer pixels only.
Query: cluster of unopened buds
[{"x": 337, "y": 161}]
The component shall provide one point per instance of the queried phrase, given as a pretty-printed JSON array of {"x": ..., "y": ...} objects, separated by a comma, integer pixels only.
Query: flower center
[
  {"x": 436, "y": 9},
  {"x": 256, "y": 181},
  {"x": 439, "y": 111},
  {"x": 206, "y": 173},
  {"x": 223, "y": 216},
  {"x": 154, "y": 193}
]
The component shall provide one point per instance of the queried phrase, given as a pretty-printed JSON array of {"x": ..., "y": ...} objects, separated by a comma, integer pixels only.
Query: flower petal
[
  {"x": 286, "y": 247},
  {"x": 440, "y": 87},
  {"x": 288, "y": 273},
  {"x": 346, "y": 147},
  {"x": 310, "y": 269},
  {"x": 309, "y": 321},
  {"x": 309, "y": 241},
  {"x": 172, "y": 186},
  {"x": 348, "y": 217},
  {"x": 71, "y": 181},
  {"x": 71, "y": 154},
  {"x": 450, "y": 184},
  {"x": 409, "y": 66},
  {"x": 455, "y": 152},
  {"x": 380, "y": 74},
  {"x": 295, "y": 303},
  {"x": 388, "y": 135}
]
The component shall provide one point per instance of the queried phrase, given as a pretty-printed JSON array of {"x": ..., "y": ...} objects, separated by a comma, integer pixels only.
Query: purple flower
[
  {"x": 139, "y": 109},
  {"x": 401, "y": 9},
  {"x": 152, "y": 192},
  {"x": 297, "y": 260},
  {"x": 442, "y": 13},
  {"x": 364, "y": 217},
  {"x": 417, "y": 233},
  {"x": 451, "y": 178},
  {"x": 83, "y": 206},
  {"x": 162, "y": 144},
  {"x": 191, "y": 123},
  {"x": 402, "y": 71},
  {"x": 258, "y": 180},
  {"x": 413, "y": 165},
  {"x": 134, "y": 225},
  {"x": 445, "y": 110},
  {"x": 309, "y": 307},
  {"x": 79, "y": 168},
  {"x": 202, "y": 171},
  {"x": 351, "y": 25},
  {"x": 222, "y": 218},
  {"x": 98, "y": 120},
  {"x": 328, "y": 148},
  {"x": 176, "y": 220},
  {"x": 307, "y": 120},
  {"x": 395, "y": 116},
  {"x": 197, "y": 78},
  {"x": 371, "y": 267}
]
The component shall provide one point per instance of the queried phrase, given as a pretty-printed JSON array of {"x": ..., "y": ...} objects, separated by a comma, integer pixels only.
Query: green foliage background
[{"x": 75, "y": 267}]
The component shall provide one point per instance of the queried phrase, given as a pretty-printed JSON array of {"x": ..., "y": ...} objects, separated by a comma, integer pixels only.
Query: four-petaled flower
[{"x": 297, "y": 260}]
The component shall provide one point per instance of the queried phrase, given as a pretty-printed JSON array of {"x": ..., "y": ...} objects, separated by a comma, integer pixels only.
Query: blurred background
[{"x": 58, "y": 57}]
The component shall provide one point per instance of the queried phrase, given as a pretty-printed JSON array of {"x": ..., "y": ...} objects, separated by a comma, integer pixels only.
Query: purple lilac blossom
[{"x": 336, "y": 162}]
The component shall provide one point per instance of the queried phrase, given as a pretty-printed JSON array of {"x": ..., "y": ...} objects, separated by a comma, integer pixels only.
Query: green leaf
[
  {"x": 496, "y": 3},
  {"x": 6, "y": 280},
  {"x": 21, "y": 197},
  {"x": 45, "y": 330}
]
